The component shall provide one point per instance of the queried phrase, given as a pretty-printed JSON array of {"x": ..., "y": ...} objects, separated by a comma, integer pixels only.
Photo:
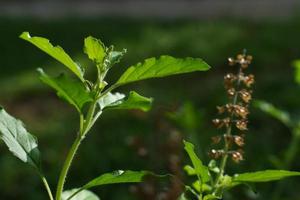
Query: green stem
[
  {"x": 66, "y": 167},
  {"x": 47, "y": 186},
  {"x": 85, "y": 126}
]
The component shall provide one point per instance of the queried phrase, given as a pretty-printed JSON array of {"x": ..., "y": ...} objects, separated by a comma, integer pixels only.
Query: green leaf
[
  {"x": 164, "y": 66},
  {"x": 114, "y": 57},
  {"x": 118, "y": 101},
  {"x": 189, "y": 170},
  {"x": 73, "y": 91},
  {"x": 117, "y": 177},
  {"x": 296, "y": 64},
  {"x": 20, "y": 142},
  {"x": 211, "y": 197},
  {"x": 270, "y": 109},
  {"x": 182, "y": 197},
  {"x": 263, "y": 176},
  {"x": 56, "y": 52},
  {"x": 95, "y": 49},
  {"x": 200, "y": 169},
  {"x": 83, "y": 195}
]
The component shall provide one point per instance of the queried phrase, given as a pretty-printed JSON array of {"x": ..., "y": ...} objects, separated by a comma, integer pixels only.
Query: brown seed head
[
  {"x": 245, "y": 95},
  {"x": 237, "y": 156},
  {"x": 242, "y": 125},
  {"x": 239, "y": 140},
  {"x": 216, "y": 139},
  {"x": 248, "y": 80}
]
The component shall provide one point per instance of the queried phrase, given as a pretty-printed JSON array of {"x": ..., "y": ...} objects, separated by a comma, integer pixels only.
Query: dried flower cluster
[{"x": 236, "y": 112}]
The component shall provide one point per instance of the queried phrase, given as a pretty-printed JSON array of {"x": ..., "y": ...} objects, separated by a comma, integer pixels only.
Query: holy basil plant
[{"x": 90, "y": 99}]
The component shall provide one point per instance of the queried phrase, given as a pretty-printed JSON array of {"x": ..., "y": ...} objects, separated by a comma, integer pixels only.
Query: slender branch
[{"x": 46, "y": 186}]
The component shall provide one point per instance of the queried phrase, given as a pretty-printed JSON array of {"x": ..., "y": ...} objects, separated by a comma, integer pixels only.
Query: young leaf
[
  {"x": 21, "y": 143},
  {"x": 56, "y": 52},
  {"x": 73, "y": 91},
  {"x": 114, "y": 57},
  {"x": 263, "y": 176},
  {"x": 118, "y": 101},
  {"x": 200, "y": 169},
  {"x": 83, "y": 195},
  {"x": 164, "y": 66},
  {"x": 95, "y": 49},
  {"x": 278, "y": 114}
]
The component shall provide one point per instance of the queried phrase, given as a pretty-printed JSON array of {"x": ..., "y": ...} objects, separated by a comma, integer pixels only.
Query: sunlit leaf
[
  {"x": 200, "y": 169},
  {"x": 20, "y": 142},
  {"x": 164, "y": 66},
  {"x": 95, "y": 49},
  {"x": 119, "y": 101},
  {"x": 82, "y": 195},
  {"x": 117, "y": 177},
  {"x": 56, "y": 52},
  {"x": 73, "y": 91},
  {"x": 263, "y": 176}
]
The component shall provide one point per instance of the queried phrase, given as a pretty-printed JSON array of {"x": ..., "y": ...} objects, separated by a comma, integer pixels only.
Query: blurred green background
[{"x": 136, "y": 140}]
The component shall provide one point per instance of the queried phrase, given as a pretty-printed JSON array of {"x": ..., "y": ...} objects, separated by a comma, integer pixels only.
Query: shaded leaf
[
  {"x": 118, "y": 101},
  {"x": 263, "y": 176},
  {"x": 95, "y": 49},
  {"x": 200, "y": 169},
  {"x": 164, "y": 66},
  {"x": 73, "y": 91},
  {"x": 56, "y": 52},
  {"x": 20, "y": 142},
  {"x": 270, "y": 109},
  {"x": 83, "y": 195}
]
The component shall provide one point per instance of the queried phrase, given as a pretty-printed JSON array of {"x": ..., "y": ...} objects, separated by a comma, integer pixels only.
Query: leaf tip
[{"x": 25, "y": 35}]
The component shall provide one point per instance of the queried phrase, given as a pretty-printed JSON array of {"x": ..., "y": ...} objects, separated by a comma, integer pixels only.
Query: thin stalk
[
  {"x": 47, "y": 186},
  {"x": 228, "y": 133},
  {"x": 66, "y": 167},
  {"x": 84, "y": 128}
]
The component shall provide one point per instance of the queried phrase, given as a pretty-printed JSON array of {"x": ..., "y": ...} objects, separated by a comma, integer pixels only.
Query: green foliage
[
  {"x": 95, "y": 49},
  {"x": 118, "y": 101},
  {"x": 56, "y": 52},
  {"x": 200, "y": 169},
  {"x": 82, "y": 195},
  {"x": 263, "y": 176},
  {"x": 96, "y": 97},
  {"x": 73, "y": 91},
  {"x": 296, "y": 64},
  {"x": 20, "y": 142},
  {"x": 164, "y": 66}
]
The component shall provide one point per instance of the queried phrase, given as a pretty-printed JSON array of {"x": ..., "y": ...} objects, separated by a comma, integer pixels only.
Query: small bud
[
  {"x": 216, "y": 139},
  {"x": 221, "y": 109},
  {"x": 231, "y": 92},
  {"x": 245, "y": 95},
  {"x": 248, "y": 80},
  {"x": 239, "y": 140},
  {"x": 215, "y": 154},
  {"x": 242, "y": 125},
  {"x": 231, "y": 61},
  {"x": 218, "y": 123},
  {"x": 241, "y": 111},
  {"x": 237, "y": 156}
]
